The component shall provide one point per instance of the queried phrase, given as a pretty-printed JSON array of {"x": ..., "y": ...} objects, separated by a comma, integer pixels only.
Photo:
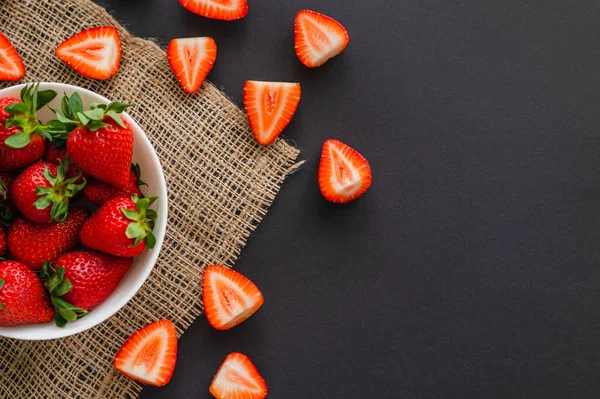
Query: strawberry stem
[
  {"x": 60, "y": 191},
  {"x": 56, "y": 284},
  {"x": 24, "y": 116},
  {"x": 143, "y": 220}
]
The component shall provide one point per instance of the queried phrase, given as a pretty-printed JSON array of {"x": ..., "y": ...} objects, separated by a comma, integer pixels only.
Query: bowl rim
[{"x": 159, "y": 230}]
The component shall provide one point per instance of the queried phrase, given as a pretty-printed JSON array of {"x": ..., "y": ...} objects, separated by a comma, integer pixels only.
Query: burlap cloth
[{"x": 220, "y": 185}]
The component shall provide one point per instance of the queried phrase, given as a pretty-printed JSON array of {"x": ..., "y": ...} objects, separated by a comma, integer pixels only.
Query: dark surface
[{"x": 470, "y": 268}]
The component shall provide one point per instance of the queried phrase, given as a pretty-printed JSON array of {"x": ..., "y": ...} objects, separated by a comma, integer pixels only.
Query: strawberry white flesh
[
  {"x": 94, "y": 53},
  {"x": 11, "y": 65},
  {"x": 149, "y": 355},
  {"x": 318, "y": 38},
  {"x": 238, "y": 378},
  {"x": 344, "y": 174},
  {"x": 229, "y": 298},
  {"x": 217, "y": 9},
  {"x": 270, "y": 107},
  {"x": 191, "y": 59}
]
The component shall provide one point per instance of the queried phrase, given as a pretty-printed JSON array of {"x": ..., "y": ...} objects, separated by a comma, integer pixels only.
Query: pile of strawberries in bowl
[{"x": 80, "y": 231}]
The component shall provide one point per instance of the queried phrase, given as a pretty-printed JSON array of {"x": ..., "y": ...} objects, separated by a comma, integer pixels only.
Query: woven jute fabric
[{"x": 220, "y": 185}]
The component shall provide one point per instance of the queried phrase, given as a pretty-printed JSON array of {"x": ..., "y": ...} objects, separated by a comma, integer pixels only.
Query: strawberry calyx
[
  {"x": 56, "y": 284},
  {"x": 143, "y": 220},
  {"x": 60, "y": 191},
  {"x": 135, "y": 168},
  {"x": 74, "y": 116},
  {"x": 24, "y": 116}
]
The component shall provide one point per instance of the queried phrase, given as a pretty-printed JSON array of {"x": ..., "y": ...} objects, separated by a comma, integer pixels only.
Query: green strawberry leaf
[
  {"x": 17, "y": 108},
  {"x": 75, "y": 103},
  {"x": 44, "y": 97},
  {"x": 18, "y": 140}
]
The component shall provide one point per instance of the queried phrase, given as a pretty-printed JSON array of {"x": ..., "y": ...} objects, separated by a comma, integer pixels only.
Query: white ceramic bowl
[{"x": 152, "y": 174}]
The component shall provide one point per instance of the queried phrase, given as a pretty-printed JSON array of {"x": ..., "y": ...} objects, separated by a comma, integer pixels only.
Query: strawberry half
[
  {"x": 217, "y": 9},
  {"x": 191, "y": 60},
  {"x": 344, "y": 174},
  {"x": 318, "y": 38},
  {"x": 150, "y": 354},
  {"x": 270, "y": 107},
  {"x": 229, "y": 298},
  {"x": 238, "y": 378},
  {"x": 11, "y": 65},
  {"x": 95, "y": 53}
]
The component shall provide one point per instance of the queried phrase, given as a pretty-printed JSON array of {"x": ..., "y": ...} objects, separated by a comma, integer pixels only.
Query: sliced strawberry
[
  {"x": 94, "y": 53},
  {"x": 11, "y": 65},
  {"x": 217, "y": 9},
  {"x": 191, "y": 60},
  {"x": 229, "y": 298},
  {"x": 149, "y": 355},
  {"x": 238, "y": 378},
  {"x": 344, "y": 174},
  {"x": 318, "y": 38},
  {"x": 270, "y": 107}
]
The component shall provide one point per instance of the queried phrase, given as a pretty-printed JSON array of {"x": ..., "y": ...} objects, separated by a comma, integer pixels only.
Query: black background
[{"x": 470, "y": 268}]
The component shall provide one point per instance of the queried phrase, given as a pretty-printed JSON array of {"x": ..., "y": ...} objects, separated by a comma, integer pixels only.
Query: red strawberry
[
  {"x": 23, "y": 299},
  {"x": 95, "y": 53},
  {"x": 4, "y": 101},
  {"x": 238, "y": 378},
  {"x": 42, "y": 192},
  {"x": 11, "y": 65},
  {"x": 191, "y": 60},
  {"x": 21, "y": 141},
  {"x": 150, "y": 354},
  {"x": 270, "y": 107},
  {"x": 229, "y": 298},
  {"x": 2, "y": 241},
  {"x": 79, "y": 281},
  {"x": 54, "y": 154},
  {"x": 98, "y": 192},
  {"x": 217, "y": 9},
  {"x": 101, "y": 143},
  {"x": 344, "y": 174},
  {"x": 121, "y": 227},
  {"x": 318, "y": 38},
  {"x": 34, "y": 244}
]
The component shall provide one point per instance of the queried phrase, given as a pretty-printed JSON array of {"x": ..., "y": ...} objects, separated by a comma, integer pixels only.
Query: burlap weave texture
[{"x": 220, "y": 185}]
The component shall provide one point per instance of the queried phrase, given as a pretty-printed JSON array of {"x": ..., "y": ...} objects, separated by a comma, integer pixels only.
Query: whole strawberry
[
  {"x": 33, "y": 244},
  {"x": 55, "y": 154},
  {"x": 121, "y": 227},
  {"x": 99, "y": 192},
  {"x": 21, "y": 134},
  {"x": 80, "y": 280},
  {"x": 100, "y": 142},
  {"x": 42, "y": 191},
  {"x": 23, "y": 299}
]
